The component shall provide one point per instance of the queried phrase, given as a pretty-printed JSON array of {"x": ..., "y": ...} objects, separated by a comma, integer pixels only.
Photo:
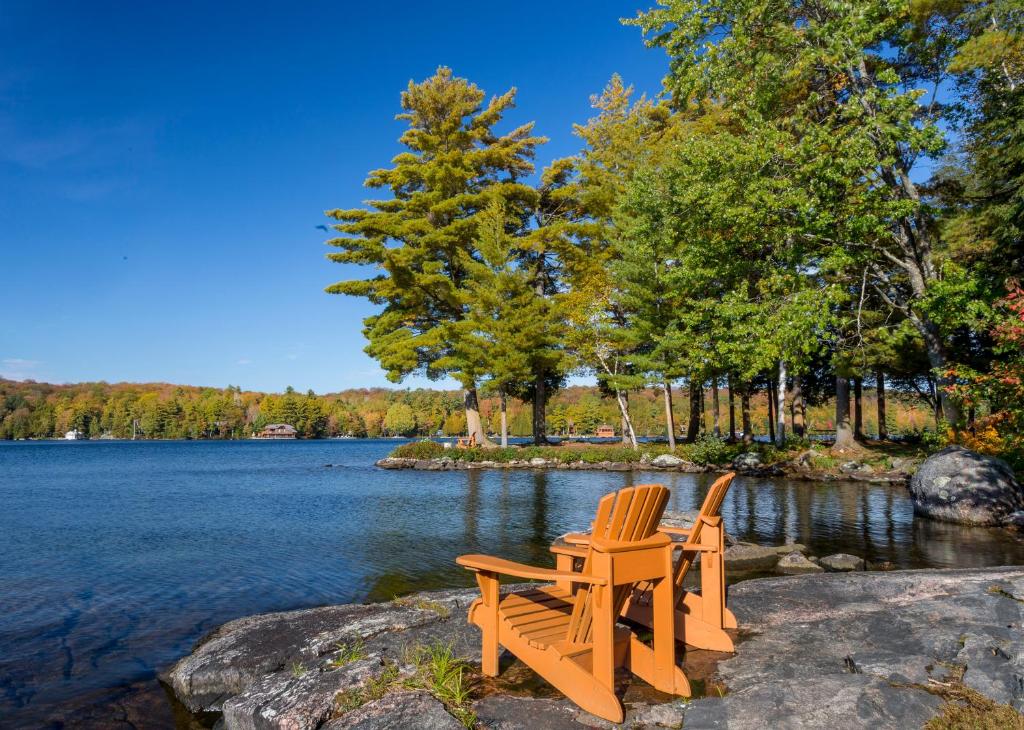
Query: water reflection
[{"x": 518, "y": 513}]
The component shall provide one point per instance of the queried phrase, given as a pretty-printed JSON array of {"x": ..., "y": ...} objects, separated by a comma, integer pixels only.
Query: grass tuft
[
  {"x": 997, "y": 590},
  {"x": 424, "y": 604},
  {"x": 436, "y": 670},
  {"x": 967, "y": 709},
  {"x": 298, "y": 669},
  {"x": 442, "y": 674},
  {"x": 374, "y": 689},
  {"x": 348, "y": 653}
]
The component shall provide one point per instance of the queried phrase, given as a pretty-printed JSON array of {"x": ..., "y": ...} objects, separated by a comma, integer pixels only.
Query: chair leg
[
  {"x": 488, "y": 622},
  {"x": 664, "y": 628},
  {"x": 603, "y": 626},
  {"x": 712, "y": 577}
]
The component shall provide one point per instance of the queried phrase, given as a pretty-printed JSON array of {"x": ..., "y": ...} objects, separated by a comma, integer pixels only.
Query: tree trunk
[
  {"x": 473, "y": 425},
  {"x": 748, "y": 431},
  {"x": 627, "y": 423},
  {"x": 732, "y": 410},
  {"x": 504, "y": 419},
  {"x": 780, "y": 406},
  {"x": 715, "y": 415},
  {"x": 858, "y": 408},
  {"x": 939, "y": 361},
  {"x": 844, "y": 434},
  {"x": 540, "y": 397},
  {"x": 883, "y": 429},
  {"x": 797, "y": 408},
  {"x": 693, "y": 425},
  {"x": 770, "y": 392},
  {"x": 670, "y": 421},
  {"x": 623, "y": 418}
]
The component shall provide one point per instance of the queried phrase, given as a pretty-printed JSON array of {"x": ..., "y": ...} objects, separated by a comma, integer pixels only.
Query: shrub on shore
[
  {"x": 419, "y": 450},
  {"x": 707, "y": 450}
]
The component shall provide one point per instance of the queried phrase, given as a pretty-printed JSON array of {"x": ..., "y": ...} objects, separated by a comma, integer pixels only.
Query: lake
[{"x": 116, "y": 556}]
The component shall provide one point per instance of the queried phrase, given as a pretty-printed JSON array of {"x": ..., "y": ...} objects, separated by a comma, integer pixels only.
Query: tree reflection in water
[{"x": 517, "y": 514}]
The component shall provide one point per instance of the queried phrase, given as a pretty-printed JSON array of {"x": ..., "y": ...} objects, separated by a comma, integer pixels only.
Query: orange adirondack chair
[
  {"x": 466, "y": 442},
  {"x": 700, "y": 619},
  {"x": 566, "y": 632}
]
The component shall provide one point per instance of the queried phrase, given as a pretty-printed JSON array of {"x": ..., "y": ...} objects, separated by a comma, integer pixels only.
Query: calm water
[{"x": 116, "y": 556}]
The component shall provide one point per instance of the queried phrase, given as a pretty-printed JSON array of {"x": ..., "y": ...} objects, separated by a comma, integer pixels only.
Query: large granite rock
[
  {"x": 850, "y": 650},
  {"x": 278, "y": 670},
  {"x": 856, "y": 650},
  {"x": 960, "y": 485}
]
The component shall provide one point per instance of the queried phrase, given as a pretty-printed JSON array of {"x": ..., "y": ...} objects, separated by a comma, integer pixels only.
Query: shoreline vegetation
[
  {"x": 33, "y": 410},
  {"x": 890, "y": 463}
]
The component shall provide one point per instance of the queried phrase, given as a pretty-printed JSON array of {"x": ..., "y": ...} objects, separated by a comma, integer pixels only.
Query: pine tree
[
  {"x": 511, "y": 326},
  {"x": 423, "y": 240}
]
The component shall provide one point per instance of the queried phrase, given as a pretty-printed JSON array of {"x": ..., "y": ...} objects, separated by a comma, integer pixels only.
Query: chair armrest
[
  {"x": 488, "y": 564},
  {"x": 694, "y": 547},
  {"x": 576, "y": 551},
  {"x": 576, "y": 538}
]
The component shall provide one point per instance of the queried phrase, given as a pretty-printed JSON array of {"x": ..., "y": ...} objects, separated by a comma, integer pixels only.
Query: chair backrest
[
  {"x": 629, "y": 515},
  {"x": 710, "y": 508}
]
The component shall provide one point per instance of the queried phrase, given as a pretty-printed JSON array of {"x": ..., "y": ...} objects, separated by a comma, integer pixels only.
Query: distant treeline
[{"x": 163, "y": 411}]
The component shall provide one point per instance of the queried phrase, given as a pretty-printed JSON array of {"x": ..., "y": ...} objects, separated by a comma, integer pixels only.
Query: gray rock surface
[
  {"x": 399, "y": 710},
  {"x": 849, "y": 650},
  {"x": 960, "y": 485},
  {"x": 841, "y": 562},
  {"x": 744, "y": 557},
  {"x": 276, "y": 670},
  {"x": 747, "y": 460},
  {"x": 795, "y": 563},
  {"x": 846, "y": 650},
  {"x": 855, "y": 467},
  {"x": 667, "y": 460}
]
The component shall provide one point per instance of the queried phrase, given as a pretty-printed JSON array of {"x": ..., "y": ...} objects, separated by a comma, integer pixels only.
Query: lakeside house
[
  {"x": 604, "y": 431},
  {"x": 276, "y": 431},
  {"x": 74, "y": 435}
]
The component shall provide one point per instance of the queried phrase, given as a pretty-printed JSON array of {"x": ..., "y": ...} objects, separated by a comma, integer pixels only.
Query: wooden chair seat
[{"x": 540, "y": 615}]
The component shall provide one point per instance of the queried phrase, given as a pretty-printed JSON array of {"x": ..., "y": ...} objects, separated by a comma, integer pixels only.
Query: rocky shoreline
[
  {"x": 851, "y": 650},
  {"x": 851, "y": 471}
]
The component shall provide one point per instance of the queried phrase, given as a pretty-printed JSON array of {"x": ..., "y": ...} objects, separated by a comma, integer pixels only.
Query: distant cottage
[
  {"x": 605, "y": 432},
  {"x": 277, "y": 431}
]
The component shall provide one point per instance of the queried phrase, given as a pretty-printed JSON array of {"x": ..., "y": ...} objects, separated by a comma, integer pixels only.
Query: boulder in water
[
  {"x": 960, "y": 485},
  {"x": 841, "y": 563},
  {"x": 795, "y": 564}
]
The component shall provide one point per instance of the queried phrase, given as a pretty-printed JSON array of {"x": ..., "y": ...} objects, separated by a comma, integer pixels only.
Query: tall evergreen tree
[
  {"x": 423, "y": 239},
  {"x": 510, "y": 326}
]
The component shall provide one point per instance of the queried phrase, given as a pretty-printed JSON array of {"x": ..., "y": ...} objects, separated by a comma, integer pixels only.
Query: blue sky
[{"x": 164, "y": 168}]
